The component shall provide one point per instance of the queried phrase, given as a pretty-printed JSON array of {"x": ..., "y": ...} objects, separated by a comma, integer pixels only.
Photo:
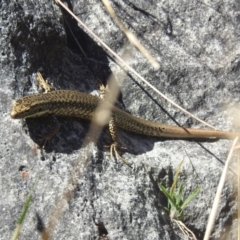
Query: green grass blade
[
  {"x": 21, "y": 218},
  {"x": 179, "y": 195},
  {"x": 168, "y": 195},
  {"x": 25, "y": 208},
  {"x": 175, "y": 178},
  {"x": 190, "y": 197},
  {"x": 23, "y": 214}
]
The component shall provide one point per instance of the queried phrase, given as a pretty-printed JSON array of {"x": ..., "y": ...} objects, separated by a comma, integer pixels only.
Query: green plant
[
  {"x": 24, "y": 212},
  {"x": 176, "y": 203}
]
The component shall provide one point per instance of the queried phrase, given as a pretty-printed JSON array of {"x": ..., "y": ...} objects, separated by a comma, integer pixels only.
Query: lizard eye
[{"x": 18, "y": 102}]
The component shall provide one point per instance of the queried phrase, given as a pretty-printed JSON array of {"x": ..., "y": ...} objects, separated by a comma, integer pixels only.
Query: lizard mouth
[{"x": 13, "y": 114}]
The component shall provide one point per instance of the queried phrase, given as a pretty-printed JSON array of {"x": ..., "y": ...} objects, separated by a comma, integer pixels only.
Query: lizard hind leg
[
  {"x": 46, "y": 138},
  {"x": 115, "y": 145}
]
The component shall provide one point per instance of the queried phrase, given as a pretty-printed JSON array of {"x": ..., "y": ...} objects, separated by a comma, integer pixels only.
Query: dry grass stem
[
  {"x": 238, "y": 203},
  {"x": 213, "y": 213},
  {"x": 130, "y": 35},
  {"x": 85, "y": 155}
]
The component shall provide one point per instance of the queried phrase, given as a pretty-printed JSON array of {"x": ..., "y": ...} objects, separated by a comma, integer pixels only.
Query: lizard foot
[
  {"x": 114, "y": 151},
  {"x": 45, "y": 139},
  {"x": 44, "y": 84}
]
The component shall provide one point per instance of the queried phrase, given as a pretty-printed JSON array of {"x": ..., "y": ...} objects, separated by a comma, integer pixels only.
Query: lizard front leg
[
  {"x": 47, "y": 88},
  {"x": 44, "y": 83}
]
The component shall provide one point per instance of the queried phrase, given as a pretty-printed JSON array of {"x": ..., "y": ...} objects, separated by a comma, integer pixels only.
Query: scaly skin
[{"x": 69, "y": 103}]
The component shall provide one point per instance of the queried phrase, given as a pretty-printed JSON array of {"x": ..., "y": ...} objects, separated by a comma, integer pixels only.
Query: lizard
[{"x": 69, "y": 103}]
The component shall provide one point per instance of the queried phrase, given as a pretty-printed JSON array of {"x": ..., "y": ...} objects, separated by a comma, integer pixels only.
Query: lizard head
[{"x": 26, "y": 107}]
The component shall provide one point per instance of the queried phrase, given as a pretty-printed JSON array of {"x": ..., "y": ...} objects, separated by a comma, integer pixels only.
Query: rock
[{"x": 196, "y": 46}]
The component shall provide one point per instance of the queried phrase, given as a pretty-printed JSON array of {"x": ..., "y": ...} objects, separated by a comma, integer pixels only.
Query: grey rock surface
[{"x": 197, "y": 46}]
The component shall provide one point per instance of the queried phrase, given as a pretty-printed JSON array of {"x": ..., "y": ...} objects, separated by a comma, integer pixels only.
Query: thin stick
[
  {"x": 131, "y": 37},
  {"x": 216, "y": 201},
  {"x": 126, "y": 66},
  {"x": 238, "y": 163},
  {"x": 103, "y": 113}
]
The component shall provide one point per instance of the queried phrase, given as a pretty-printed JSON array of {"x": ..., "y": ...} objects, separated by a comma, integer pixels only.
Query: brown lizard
[{"x": 70, "y": 103}]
